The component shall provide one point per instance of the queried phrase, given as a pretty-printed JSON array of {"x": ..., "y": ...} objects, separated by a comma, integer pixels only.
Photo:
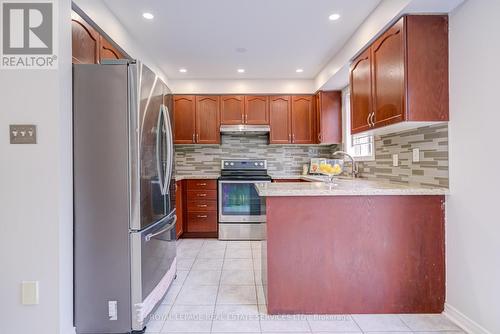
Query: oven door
[{"x": 240, "y": 203}]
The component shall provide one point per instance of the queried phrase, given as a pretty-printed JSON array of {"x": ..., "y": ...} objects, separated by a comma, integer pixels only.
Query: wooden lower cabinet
[
  {"x": 200, "y": 208},
  {"x": 179, "y": 205}
]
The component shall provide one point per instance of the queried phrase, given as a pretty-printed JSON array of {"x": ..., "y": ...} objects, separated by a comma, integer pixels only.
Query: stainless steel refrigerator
[{"x": 124, "y": 196}]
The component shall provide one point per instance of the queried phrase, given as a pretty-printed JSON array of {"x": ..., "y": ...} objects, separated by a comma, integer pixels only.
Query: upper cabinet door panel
[
  {"x": 207, "y": 120},
  {"x": 279, "y": 116},
  {"x": 85, "y": 41},
  {"x": 184, "y": 119},
  {"x": 108, "y": 51},
  {"x": 388, "y": 75},
  {"x": 302, "y": 119},
  {"x": 361, "y": 92},
  {"x": 231, "y": 109},
  {"x": 329, "y": 105},
  {"x": 256, "y": 110}
]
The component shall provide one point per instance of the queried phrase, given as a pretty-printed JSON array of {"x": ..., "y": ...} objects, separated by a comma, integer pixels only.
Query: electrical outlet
[
  {"x": 416, "y": 155},
  {"x": 29, "y": 293},
  {"x": 395, "y": 160}
]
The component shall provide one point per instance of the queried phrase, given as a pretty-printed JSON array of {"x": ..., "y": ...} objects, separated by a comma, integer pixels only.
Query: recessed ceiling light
[
  {"x": 148, "y": 16},
  {"x": 241, "y": 50},
  {"x": 241, "y": 70},
  {"x": 334, "y": 17},
  {"x": 299, "y": 70},
  {"x": 183, "y": 70}
]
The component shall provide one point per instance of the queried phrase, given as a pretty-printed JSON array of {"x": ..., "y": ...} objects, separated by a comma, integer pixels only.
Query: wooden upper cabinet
[
  {"x": 108, "y": 51},
  {"x": 361, "y": 92},
  {"x": 207, "y": 120},
  {"x": 403, "y": 75},
  {"x": 279, "y": 116},
  {"x": 85, "y": 41},
  {"x": 232, "y": 109},
  {"x": 303, "y": 119},
  {"x": 427, "y": 84},
  {"x": 388, "y": 76},
  {"x": 256, "y": 110},
  {"x": 329, "y": 117},
  {"x": 184, "y": 119}
]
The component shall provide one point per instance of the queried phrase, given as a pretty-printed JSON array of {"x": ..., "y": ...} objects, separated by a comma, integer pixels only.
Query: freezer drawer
[{"x": 153, "y": 266}]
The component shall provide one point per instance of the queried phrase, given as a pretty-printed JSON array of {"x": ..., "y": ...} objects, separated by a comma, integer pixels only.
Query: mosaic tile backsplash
[
  {"x": 287, "y": 160},
  {"x": 432, "y": 170},
  {"x": 282, "y": 160}
]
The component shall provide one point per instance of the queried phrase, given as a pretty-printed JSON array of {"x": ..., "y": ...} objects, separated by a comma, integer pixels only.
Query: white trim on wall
[{"x": 466, "y": 323}]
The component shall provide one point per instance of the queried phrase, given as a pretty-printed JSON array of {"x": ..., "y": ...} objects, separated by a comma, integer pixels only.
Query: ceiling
[{"x": 270, "y": 39}]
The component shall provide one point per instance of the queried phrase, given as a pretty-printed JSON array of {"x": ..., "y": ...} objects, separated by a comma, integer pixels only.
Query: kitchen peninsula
[{"x": 356, "y": 247}]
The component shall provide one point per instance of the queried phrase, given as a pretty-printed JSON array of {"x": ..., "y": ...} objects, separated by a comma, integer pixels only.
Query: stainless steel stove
[{"x": 242, "y": 213}]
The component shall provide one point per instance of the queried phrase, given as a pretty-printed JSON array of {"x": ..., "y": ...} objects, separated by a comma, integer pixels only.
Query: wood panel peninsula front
[{"x": 357, "y": 247}]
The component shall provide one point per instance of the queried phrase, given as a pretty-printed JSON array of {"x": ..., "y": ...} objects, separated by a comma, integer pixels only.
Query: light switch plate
[
  {"x": 22, "y": 134},
  {"x": 395, "y": 160},
  {"x": 416, "y": 155},
  {"x": 113, "y": 310},
  {"x": 29, "y": 292}
]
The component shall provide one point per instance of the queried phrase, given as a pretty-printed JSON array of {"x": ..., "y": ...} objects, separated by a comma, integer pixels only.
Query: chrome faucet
[{"x": 354, "y": 171}]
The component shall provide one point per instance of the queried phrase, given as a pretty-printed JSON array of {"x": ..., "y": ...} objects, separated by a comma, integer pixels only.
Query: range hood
[{"x": 243, "y": 129}]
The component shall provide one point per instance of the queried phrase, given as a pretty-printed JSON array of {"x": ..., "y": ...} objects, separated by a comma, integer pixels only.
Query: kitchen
[{"x": 221, "y": 183}]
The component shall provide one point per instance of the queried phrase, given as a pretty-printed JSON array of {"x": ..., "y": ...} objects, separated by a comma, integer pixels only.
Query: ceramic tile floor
[{"x": 218, "y": 290}]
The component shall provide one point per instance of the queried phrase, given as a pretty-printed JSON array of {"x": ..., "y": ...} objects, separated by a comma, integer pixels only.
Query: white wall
[
  {"x": 254, "y": 86},
  {"x": 473, "y": 228},
  {"x": 107, "y": 21},
  {"x": 36, "y": 195}
]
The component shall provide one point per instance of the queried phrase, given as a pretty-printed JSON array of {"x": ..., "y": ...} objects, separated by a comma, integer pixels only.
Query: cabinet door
[
  {"x": 184, "y": 119},
  {"x": 231, "y": 109},
  {"x": 256, "y": 110},
  {"x": 179, "y": 206},
  {"x": 108, "y": 51},
  {"x": 329, "y": 109},
  {"x": 302, "y": 119},
  {"x": 361, "y": 92},
  {"x": 388, "y": 76},
  {"x": 207, "y": 120},
  {"x": 85, "y": 41},
  {"x": 279, "y": 118}
]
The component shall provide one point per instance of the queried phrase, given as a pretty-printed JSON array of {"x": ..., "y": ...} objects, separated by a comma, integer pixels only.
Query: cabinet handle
[
  {"x": 246, "y": 118},
  {"x": 197, "y": 137},
  {"x": 289, "y": 137},
  {"x": 202, "y": 216},
  {"x": 293, "y": 138},
  {"x": 368, "y": 120},
  {"x": 201, "y": 184},
  {"x": 202, "y": 205},
  {"x": 201, "y": 195},
  {"x": 373, "y": 119},
  {"x": 194, "y": 140}
]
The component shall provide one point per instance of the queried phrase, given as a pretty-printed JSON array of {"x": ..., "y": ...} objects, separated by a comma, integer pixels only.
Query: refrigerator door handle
[
  {"x": 169, "y": 227},
  {"x": 158, "y": 153},
  {"x": 170, "y": 145}
]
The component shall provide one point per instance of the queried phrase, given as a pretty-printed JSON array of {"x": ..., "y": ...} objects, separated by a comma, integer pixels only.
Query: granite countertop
[
  {"x": 342, "y": 187},
  {"x": 197, "y": 176}
]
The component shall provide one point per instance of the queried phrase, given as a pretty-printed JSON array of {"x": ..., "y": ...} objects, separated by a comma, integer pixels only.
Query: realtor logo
[{"x": 28, "y": 35}]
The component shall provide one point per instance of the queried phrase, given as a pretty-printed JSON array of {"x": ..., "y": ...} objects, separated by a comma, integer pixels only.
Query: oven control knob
[
  {"x": 262, "y": 164},
  {"x": 226, "y": 163},
  {"x": 256, "y": 164},
  {"x": 232, "y": 163}
]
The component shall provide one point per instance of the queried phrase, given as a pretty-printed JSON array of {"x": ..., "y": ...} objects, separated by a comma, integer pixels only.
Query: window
[{"x": 362, "y": 146}]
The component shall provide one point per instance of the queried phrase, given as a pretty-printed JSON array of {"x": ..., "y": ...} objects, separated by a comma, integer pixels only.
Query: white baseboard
[{"x": 467, "y": 324}]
